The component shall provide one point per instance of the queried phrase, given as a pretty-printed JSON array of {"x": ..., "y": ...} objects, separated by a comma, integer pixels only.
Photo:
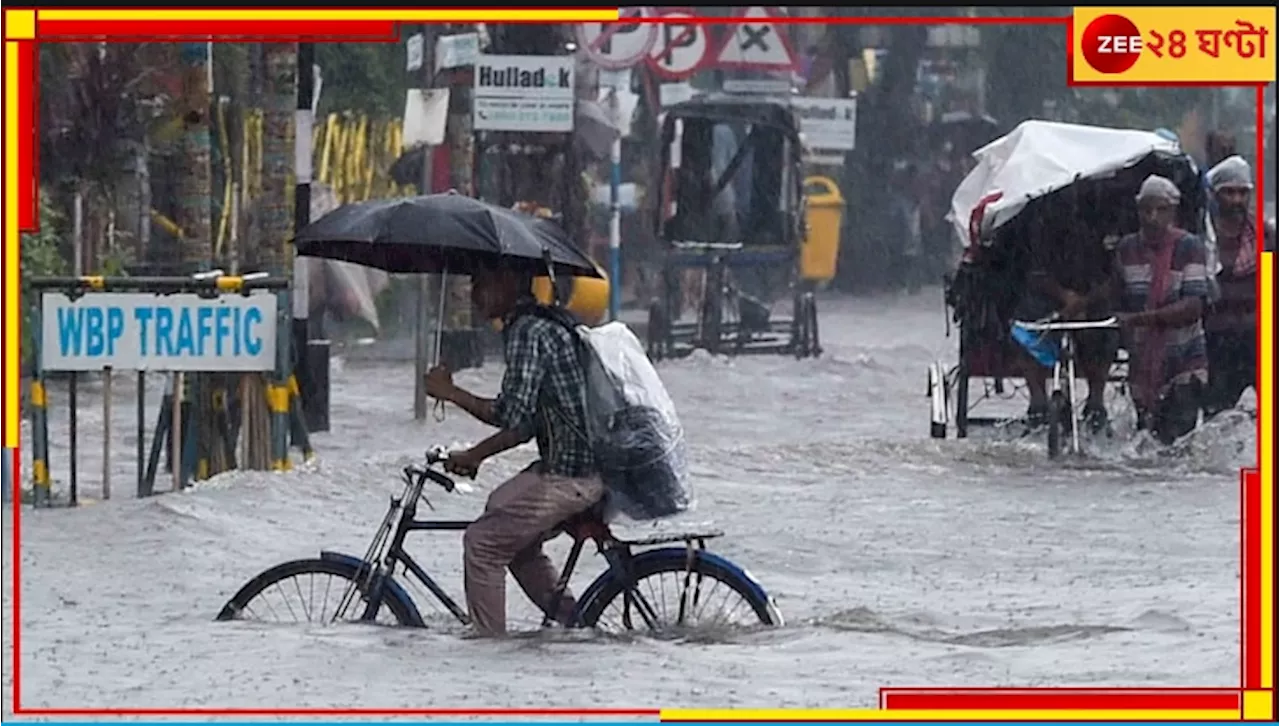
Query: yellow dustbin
[
  {"x": 588, "y": 297},
  {"x": 823, "y": 213}
]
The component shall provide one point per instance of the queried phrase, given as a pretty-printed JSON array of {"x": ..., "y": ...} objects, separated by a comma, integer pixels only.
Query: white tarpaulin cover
[{"x": 1040, "y": 157}]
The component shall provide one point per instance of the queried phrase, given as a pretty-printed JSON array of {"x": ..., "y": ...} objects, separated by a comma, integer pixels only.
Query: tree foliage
[
  {"x": 365, "y": 77},
  {"x": 42, "y": 255}
]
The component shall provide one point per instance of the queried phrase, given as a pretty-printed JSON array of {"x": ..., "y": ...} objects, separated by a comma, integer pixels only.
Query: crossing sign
[
  {"x": 681, "y": 48},
  {"x": 757, "y": 43},
  {"x": 614, "y": 46}
]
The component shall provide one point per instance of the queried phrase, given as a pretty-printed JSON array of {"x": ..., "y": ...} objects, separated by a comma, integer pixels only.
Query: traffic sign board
[
  {"x": 613, "y": 46},
  {"x": 681, "y": 48},
  {"x": 758, "y": 43}
]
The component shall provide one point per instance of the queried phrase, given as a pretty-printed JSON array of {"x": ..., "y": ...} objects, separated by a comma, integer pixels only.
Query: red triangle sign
[{"x": 758, "y": 43}]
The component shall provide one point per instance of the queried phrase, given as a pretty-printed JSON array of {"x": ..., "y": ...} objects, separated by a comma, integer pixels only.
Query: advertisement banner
[{"x": 524, "y": 93}]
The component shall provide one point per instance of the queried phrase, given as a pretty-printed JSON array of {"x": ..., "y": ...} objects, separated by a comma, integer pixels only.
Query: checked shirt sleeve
[{"x": 517, "y": 402}]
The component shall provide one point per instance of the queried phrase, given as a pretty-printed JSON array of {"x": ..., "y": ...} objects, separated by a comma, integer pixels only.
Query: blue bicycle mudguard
[
  {"x": 678, "y": 555},
  {"x": 1041, "y": 347},
  {"x": 393, "y": 590}
]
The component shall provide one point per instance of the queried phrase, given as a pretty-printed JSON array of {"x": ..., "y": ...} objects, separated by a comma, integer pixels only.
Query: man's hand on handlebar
[
  {"x": 463, "y": 463},
  {"x": 1073, "y": 305}
]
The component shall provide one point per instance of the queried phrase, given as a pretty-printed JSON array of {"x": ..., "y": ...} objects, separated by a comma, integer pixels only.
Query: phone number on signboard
[{"x": 527, "y": 112}]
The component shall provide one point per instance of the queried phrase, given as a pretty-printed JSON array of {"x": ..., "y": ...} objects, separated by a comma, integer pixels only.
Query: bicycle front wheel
[
  {"x": 316, "y": 591},
  {"x": 670, "y": 592},
  {"x": 1059, "y": 422}
]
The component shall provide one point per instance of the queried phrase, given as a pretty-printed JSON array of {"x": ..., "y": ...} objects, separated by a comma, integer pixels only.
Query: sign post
[
  {"x": 210, "y": 323},
  {"x": 617, "y": 47}
]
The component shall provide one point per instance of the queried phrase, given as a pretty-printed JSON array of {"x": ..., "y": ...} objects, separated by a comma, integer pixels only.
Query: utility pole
[
  {"x": 460, "y": 141},
  {"x": 421, "y": 338},
  {"x": 310, "y": 349}
]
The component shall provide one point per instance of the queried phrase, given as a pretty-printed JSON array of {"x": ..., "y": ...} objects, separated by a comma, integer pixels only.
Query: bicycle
[
  {"x": 373, "y": 577},
  {"x": 1062, "y": 385}
]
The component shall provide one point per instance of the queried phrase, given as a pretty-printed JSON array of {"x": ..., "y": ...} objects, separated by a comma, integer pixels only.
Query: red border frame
[{"x": 892, "y": 698}]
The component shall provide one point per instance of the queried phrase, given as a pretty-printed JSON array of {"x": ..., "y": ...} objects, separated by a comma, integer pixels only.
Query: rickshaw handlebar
[
  {"x": 707, "y": 246},
  {"x": 1052, "y": 325}
]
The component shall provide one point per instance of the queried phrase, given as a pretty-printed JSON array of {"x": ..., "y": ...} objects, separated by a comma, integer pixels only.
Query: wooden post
[
  {"x": 196, "y": 180},
  {"x": 175, "y": 437},
  {"x": 106, "y": 432}
]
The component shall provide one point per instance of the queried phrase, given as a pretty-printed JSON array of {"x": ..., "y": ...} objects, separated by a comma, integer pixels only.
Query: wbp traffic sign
[
  {"x": 681, "y": 49},
  {"x": 614, "y": 46}
]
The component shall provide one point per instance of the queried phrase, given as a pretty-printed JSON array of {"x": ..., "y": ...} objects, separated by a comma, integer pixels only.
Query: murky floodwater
[{"x": 897, "y": 559}]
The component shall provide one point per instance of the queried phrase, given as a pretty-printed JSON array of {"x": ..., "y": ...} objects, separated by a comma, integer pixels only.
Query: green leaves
[{"x": 41, "y": 257}]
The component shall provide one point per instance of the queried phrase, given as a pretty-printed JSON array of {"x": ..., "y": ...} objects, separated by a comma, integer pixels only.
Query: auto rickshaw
[{"x": 731, "y": 220}]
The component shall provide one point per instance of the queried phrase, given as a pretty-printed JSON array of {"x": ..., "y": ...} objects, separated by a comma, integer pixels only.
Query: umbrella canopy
[{"x": 440, "y": 233}]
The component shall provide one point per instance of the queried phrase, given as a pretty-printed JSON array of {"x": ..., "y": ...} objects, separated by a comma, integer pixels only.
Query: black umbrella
[{"x": 440, "y": 233}]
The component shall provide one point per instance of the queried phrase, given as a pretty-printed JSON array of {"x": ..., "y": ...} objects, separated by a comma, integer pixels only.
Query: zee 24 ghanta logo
[{"x": 1112, "y": 44}]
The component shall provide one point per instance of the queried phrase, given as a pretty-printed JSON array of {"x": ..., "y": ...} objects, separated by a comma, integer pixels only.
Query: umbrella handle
[{"x": 551, "y": 271}]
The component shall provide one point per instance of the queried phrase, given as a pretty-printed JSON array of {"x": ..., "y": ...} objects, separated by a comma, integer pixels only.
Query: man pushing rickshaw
[{"x": 1080, "y": 242}]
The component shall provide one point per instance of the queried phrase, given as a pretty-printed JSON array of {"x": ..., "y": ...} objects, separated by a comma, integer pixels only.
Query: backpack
[{"x": 631, "y": 427}]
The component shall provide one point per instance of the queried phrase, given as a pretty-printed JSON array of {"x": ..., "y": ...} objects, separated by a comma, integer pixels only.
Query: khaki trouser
[{"x": 510, "y": 533}]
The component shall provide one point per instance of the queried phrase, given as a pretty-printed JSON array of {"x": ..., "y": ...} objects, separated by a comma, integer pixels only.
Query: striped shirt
[{"x": 1184, "y": 354}]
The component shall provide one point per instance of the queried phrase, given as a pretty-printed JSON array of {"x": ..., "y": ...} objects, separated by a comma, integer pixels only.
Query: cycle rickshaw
[
  {"x": 1084, "y": 178},
  {"x": 731, "y": 218}
]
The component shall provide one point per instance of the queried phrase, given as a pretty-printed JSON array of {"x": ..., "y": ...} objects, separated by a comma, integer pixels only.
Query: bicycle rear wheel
[
  {"x": 670, "y": 592},
  {"x": 270, "y": 597}
]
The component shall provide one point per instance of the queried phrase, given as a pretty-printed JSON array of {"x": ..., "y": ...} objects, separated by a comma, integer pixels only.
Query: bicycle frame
[
  {"x": 402, "y": 516},
  {"x": 1065, "y": 363}
]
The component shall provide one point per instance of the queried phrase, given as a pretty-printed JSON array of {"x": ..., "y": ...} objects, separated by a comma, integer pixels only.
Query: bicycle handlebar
[
  {"x": 435, "y": 455},
  {"x": 1054, "y": 324}
]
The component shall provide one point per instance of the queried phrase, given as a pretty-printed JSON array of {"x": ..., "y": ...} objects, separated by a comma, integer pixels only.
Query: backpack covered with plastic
[{"x": 632, "y": 427}]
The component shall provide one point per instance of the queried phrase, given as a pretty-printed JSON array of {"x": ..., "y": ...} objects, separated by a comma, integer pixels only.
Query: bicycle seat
[{"x": 588, "y": 524}]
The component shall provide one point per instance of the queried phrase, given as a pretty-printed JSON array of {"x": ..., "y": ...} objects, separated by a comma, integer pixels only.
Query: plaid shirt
[
  {"x": 543, "y": 391},
  {"x": 1184, "y": 353}
]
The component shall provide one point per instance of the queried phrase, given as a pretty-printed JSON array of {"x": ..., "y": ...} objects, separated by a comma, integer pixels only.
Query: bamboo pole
[
  {"x": 175, "y": 441},
  {"x": 106, "y": 432}
]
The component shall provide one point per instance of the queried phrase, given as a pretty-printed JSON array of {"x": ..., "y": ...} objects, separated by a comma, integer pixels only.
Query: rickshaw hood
[{"x": 1036, "y": 159}]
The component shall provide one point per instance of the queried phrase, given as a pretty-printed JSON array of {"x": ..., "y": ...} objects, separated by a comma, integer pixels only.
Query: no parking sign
[
  {"x": 614, "y": 46},
  {"x": 681, "y": 49}
]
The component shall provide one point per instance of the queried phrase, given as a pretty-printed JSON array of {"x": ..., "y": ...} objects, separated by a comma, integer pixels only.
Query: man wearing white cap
[
  {"x": 1231, "y": 321},
  {"x": 1164, "y": 287}
]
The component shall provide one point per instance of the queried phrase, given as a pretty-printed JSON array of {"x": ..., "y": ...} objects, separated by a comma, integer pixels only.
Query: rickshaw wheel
[
  {"x": 799, "y": 330},
  {"x": 962, "y": 398},
  {"x": 656, "y": 335}
]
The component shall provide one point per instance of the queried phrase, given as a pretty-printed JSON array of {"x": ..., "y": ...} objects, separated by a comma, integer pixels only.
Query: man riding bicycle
[
  {"x": 1069, "y": 274},
  {"x": 541, "y": 397}
]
